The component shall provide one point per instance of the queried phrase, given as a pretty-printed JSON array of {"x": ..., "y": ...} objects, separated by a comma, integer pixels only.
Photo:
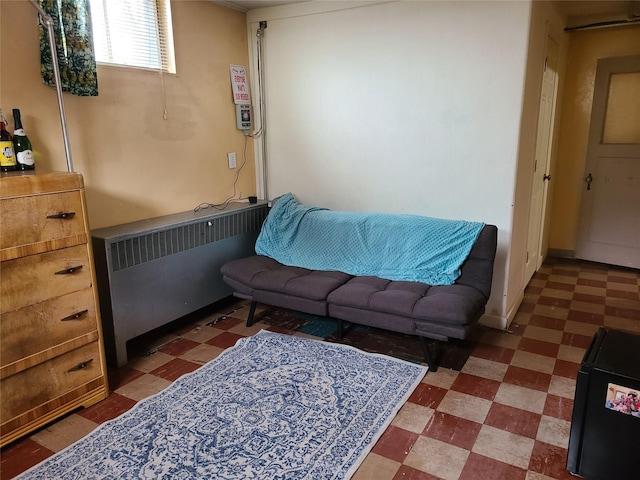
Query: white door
[
  {"x": 609, "y": 227},
  {"x": 536, "y": 249}
]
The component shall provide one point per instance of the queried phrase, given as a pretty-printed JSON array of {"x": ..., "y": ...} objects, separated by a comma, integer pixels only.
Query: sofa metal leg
[
  {"x": 252, "y": 311},
  {"x": 429, "y": 356},
  {"x": 340, "y": 329}
]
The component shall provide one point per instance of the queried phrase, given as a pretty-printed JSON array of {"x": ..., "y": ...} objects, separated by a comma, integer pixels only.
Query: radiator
[{"x": 155, "y": 271}]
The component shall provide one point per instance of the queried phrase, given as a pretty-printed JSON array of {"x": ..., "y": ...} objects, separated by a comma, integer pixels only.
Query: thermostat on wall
[{"x": 243, "y": 117}]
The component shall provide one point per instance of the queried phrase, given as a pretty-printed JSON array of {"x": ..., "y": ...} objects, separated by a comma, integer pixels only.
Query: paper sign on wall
[{"x": 239, "y": 85}]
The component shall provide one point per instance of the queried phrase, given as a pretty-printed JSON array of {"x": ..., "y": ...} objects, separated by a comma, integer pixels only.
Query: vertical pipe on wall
[
  {"x": 263, "y": 128},
  {"x": 48, "y": 21}
]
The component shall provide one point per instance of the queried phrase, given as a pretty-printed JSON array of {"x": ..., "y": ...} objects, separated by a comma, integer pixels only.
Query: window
[{"x": 134, "y": 33}]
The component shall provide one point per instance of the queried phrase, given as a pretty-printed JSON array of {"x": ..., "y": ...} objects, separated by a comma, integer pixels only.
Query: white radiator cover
[{"x": 155, "y": 271}]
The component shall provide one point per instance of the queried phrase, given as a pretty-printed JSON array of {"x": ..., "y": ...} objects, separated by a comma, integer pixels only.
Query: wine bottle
[
  {"x": 21, "y": 144},
  {"x": 7, "y": 157}
]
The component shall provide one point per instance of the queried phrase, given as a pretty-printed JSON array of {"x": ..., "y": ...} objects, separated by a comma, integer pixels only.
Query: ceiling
[
  {"x": 246, "y": 5},
  {"x": 572, "y": 8}
]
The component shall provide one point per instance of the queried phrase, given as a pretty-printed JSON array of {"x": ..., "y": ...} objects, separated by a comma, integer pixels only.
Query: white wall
[{"x": 407, "y": 107}]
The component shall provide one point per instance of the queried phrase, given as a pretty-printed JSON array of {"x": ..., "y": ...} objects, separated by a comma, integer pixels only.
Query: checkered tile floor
[{"x": 505, "y": 415}]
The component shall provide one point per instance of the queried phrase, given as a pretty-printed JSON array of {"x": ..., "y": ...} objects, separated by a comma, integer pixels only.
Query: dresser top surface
[{"x": 16, "y": 184}]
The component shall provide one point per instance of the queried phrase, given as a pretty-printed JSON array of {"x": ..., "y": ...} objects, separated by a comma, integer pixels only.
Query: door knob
[{"x": 589, "y": 179}]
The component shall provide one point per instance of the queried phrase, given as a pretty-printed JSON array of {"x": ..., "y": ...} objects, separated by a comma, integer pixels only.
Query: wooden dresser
[{"x": 51, "y": 350}]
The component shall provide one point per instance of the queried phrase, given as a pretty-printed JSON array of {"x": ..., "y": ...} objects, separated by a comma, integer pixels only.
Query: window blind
[{"x": 135, "y": 33}]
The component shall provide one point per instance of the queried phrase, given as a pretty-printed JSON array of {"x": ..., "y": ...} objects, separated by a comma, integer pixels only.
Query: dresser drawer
[
  {"x": 29, "y": 389},
  {"x": 51, "y": 355},
  {"x": 40, "y": 218},
  {"x": 57, "y": 324},
  {"x": 35, "y": 278}
]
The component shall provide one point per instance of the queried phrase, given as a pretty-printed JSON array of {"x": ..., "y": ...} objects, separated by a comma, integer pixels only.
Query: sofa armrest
[{"x": 477, "y": 270}]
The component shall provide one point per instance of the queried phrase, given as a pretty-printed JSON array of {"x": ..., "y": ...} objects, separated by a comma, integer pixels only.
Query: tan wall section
[
  {"x": 585, "y": 47},
  {"x": 135, "y": 164}
]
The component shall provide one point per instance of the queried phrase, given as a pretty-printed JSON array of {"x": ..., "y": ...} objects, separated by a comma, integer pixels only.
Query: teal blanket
[{"x": 395, "y": 247}]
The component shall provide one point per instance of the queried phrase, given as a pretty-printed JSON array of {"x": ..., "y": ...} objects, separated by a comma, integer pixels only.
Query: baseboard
[
  {"x": 511, "y": 314},
  {"x": 499, "y": 321},
  {"x": 560, "y": 253},
  {"x": 493, "y": 321}
]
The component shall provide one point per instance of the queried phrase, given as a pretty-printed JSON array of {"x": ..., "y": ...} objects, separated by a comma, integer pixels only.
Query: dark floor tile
[
  {"x": 428, "y": 395},
  {"x": 178, "y": 347},
  {"x": 481, "y": 467},
  {"x": 575, "y": 340},
  {"x": 514, "y": 420},
  {"x": 547, "y": 322},
  {"x": 562, "y": 272},
  {"x": 174, "y": 369},
  {"x": 596, "y": 268},
  {"x": 566, "y": 287},
  {"x": 395, "y": 443},
  {"x": 397, "y": 345},
  {"x": 282, "y": 318},
  {"x": 549, "y": 460},
  {"x": 527, "y": 307},
  {"x": 225, "y": 340},
  {"x": 586, "y": 317},
  {"x": 122, "y": 376},
  {"x": 476, "y": 386},
  {"x": 532, "y": 290},
  {"x": 516, "y": 329},
  {"x": 539, "y": 347},
  {"x": 524, "y": 377},
  {"x": 20, "y": 456},
  {"x": 540, "y": 276},
  {"x": 493, "y": 352},
  {"x": 566, "y": 369},
  {"x": 592, "y": 283},
  {"x": 623, "y": 294},
  {"x": 622, "y": 312},
  {"x": 107, "y": 409},
  {"x": 407, "y": 473},
  {"x": 612, "y": 277},
  {"x": 583, "y": 297},
  {"x": 278, "y": 329},
  {"x": 558, "y": 407},
  {"x": 453, "y": 430}
]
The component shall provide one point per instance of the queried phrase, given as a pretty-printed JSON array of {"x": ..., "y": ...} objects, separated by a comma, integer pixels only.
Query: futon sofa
[{"x": 300, "y": 265}]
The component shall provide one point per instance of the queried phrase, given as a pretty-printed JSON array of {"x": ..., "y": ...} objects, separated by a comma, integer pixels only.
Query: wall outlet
[{"x": 231, "y": 158}]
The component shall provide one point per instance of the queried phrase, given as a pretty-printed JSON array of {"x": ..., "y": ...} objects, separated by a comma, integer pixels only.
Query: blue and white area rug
[{"x": 271, "y": 407}]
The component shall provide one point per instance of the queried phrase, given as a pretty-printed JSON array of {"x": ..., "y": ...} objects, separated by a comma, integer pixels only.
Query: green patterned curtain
[{"x": 74, "y": 44}]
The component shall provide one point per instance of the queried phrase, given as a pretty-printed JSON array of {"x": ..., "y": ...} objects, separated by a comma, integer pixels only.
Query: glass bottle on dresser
[
  {"x": 7, "y": 157},
  {"x": 21, "y": 144}
]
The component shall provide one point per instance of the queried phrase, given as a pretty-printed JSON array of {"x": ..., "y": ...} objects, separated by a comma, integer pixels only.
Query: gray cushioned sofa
[{"x": 430, "y": 312}]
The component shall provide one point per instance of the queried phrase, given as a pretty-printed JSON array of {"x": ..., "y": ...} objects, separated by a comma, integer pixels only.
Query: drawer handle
[
  {"x": 69, "y": 271},
  {"x": 75, "y": 316},
  {"x": 80, "y": 366},
  {"x": 62, "y": 215}
]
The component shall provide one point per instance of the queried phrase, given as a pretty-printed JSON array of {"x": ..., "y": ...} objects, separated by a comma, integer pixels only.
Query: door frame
[
  {"x": 542, "y": 171},
  {"x": 606, "y": 67}
]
